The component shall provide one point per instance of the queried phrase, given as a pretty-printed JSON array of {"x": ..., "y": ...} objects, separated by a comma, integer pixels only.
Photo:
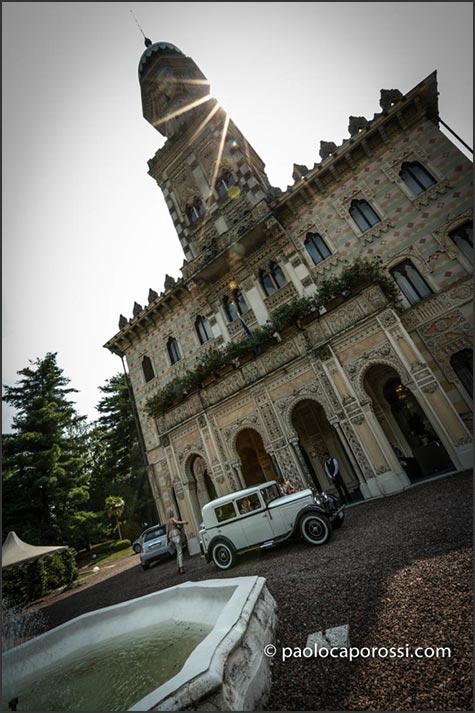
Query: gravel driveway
[{"x": 398, "y": 573}]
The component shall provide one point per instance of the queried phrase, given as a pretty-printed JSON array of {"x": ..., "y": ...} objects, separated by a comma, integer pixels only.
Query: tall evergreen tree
[
  {"x": 45, "y": 472},
  {"x": 119, "y": 465}
]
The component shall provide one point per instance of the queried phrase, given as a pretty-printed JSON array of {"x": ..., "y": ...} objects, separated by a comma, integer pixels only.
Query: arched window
[
  {"x": 173, "y": 350},
  {"x": 230, "y": 309},
  {"x": 267, "y": 283},
  {"x": 279, "y": 277},
  {"x": 203, "y": 329},
  {"x": 235, "y": 305},
  {"x": 463, "y": 239},
  {"x": 273, "y": 279},
  {"x": 363, "y": 215},
  {"x": 147, "y": 369},
  {"x": 240, "y": 302},
  {"x": 224, "y": 183},
  {"x": 411, "y": 282},
  {"x": 195, "y": 210},
  {"x": 316, "y": 247},
  {"x": 462, "y": 364},
  {"x": 416, "y": 177}
]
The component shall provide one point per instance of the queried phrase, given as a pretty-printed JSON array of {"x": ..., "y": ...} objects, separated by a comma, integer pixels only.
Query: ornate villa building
[{"x": 333, "y": 317}]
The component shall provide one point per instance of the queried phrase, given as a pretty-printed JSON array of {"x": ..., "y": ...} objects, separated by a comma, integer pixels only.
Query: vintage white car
[{"x": 261, "y": 517}]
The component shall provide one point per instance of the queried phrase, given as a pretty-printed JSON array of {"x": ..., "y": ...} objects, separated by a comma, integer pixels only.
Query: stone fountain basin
[{"x": 227, "y": 670}]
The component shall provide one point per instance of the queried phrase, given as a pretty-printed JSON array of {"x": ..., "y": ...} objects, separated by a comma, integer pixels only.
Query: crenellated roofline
[
  {"x": 400, "y": 110},
  {"x": 421, "y": 101}
]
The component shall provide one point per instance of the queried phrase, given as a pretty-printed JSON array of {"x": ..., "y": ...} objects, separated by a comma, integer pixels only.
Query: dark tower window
[
  {"x": 195, "y": 210},
  {"x": 462, "y": 364},
  {"x": 173, "y": 350},
  {"x": 416, "y": 177},
  {"x": 224, "y": 183},
  {"x": 316, "y": 247},
  {"x": 363, "y": 215},
  {"x": 411, "y": 282},
  {"x": 463, "y": 239},
  {"x": 147, "y": 369},
  {"x": 203, "y": 329}
]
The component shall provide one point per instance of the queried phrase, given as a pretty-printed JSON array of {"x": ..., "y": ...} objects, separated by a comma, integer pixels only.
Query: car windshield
[
  {"x": 159, "y": 532},
  {"x": 270, "y": 493}
]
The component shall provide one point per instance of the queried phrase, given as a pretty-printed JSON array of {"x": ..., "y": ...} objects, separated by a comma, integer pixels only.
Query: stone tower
[
  {"x": 206, "y": 162},
  {"x": 335, "y": 316}
]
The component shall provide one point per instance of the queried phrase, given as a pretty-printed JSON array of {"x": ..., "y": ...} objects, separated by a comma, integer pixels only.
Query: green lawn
[{"x": 104, "y": 553}]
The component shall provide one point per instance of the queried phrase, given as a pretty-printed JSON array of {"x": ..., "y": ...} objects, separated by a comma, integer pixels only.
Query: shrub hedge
[
  {"x": 30, "y": 581},
  {"x": 360, "y": 273}
]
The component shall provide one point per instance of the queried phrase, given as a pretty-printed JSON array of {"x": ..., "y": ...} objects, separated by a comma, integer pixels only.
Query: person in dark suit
[{"x": 332, "y": 469}]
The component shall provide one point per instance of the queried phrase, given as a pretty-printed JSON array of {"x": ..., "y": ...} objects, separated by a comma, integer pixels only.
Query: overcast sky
[{"x": 86, "y": 231}]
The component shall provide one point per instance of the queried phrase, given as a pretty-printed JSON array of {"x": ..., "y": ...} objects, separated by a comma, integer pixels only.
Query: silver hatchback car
[{"x": 154, "y": 546}]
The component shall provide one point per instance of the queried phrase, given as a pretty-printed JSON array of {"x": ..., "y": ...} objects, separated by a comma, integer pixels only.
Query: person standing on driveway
[
  {"x": 332, "y": 469},
  {"x": 174, "y": 535}
]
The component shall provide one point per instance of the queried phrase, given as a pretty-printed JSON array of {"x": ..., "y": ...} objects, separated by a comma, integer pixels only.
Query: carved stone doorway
[
  {"x": 316, "y": 437},
  {"x": 256, "y": 464},
  {"x": 406, "y": 426}
]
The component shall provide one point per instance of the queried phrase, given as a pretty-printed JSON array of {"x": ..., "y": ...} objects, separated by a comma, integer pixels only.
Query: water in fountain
[
  {"x": 19, "y": 625},
  {"x": 112, "y": 674}
]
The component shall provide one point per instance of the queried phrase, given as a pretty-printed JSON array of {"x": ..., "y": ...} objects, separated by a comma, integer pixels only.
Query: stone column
[
  {"x": 348, "y": 417},
  {"x": 447, "y": 424},
  {"x": 236, "y": 466},
  {"x": 275, "y": 463},
  {"x": 342, "y": 428},
  {"x": 304, "y": 472},
  {"x": 391, "y": 477},
  {"x": 192, "y": 530}
]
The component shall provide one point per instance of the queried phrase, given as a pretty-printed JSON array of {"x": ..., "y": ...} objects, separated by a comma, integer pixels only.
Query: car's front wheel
[
  {"x": 315, "y": 528},
  {"x": 338, "y": 521},
  {"x": 223, "y": 555}
]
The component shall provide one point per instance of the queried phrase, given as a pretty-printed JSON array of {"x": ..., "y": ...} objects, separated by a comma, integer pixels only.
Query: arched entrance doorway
[
  {"x": 202, "y": 479},
  {"x": 316, "y": 437},
  {"x": 200, "y": 486},
  {"x": 256, "y": 464},
  {"x": 405, "y": 425}
]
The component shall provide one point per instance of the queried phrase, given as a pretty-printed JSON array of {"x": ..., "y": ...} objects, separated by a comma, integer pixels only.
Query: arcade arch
[
  {"x": 406, "y": 426},
  {"x": 200, "y": 485},
  {"x": 316, "y": 437},
  {"x": 256, "y": 463}
]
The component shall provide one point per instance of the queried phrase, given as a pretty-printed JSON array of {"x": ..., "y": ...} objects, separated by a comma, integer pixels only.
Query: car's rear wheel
[
  {"x": 315, "y": 528},
  {"x": 146, "y": 565},
  {"x": 136, "y": 549},
  {"x": 223, "y": 555}
]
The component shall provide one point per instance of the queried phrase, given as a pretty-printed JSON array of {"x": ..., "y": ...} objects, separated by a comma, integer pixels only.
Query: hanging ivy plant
[{"x": 360, "y": 273}]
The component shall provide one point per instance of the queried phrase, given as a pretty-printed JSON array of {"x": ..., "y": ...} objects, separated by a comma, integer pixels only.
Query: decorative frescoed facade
[{"x": 371, "y": 365}]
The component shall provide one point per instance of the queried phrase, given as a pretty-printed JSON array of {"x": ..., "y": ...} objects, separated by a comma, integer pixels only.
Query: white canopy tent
[{"x": 15, "y": 551}]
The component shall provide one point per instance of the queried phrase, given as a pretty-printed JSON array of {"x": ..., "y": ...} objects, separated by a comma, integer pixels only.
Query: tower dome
[
  {"x": 152, "y": 50},
  {"x": 173, "y": 87}
]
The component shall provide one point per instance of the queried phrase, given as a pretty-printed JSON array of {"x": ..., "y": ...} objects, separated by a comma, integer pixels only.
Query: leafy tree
[
  {"x": 45, "y": 476},
  {"x": 115, "y": 507},
  {"x": 118, "y": 463}
]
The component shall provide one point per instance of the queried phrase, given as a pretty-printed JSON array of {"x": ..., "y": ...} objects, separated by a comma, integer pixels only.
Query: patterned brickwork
[{"x": 350, "y": 338}]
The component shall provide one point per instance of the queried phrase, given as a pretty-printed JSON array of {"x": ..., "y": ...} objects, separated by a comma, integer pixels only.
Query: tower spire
[{"x": 147, "y": 41}]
